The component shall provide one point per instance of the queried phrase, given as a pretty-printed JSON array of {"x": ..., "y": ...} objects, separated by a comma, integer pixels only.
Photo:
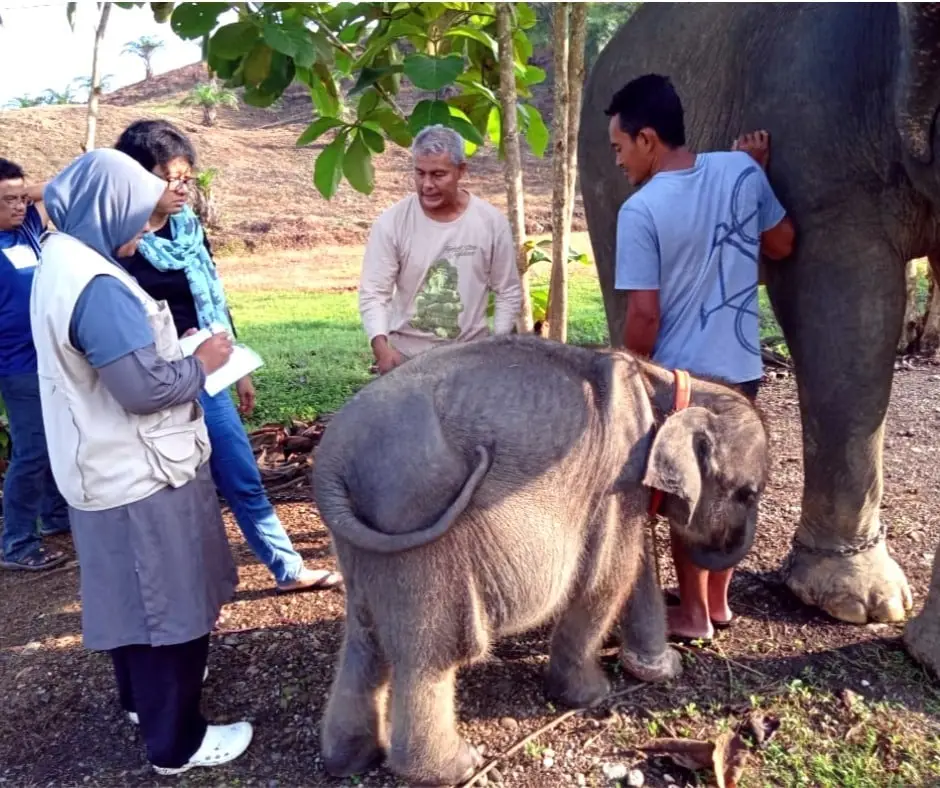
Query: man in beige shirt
[{"x": 433, "y": 258}]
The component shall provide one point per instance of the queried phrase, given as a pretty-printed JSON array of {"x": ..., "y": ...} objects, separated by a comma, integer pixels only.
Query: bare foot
[
  {"x": 755, "y": 143},
  {"x": 684, "y": 624}
]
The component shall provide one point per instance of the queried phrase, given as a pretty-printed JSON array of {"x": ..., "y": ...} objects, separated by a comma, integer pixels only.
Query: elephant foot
[
  {"x": 922, "y": 639},
  {"x": 867, "y": 586},
  {"x": 457, "y": 770},
  {"x": 354, "y": 755},
  {"x": 578, "y": 689},
  {"x": 668, "y": 665}
]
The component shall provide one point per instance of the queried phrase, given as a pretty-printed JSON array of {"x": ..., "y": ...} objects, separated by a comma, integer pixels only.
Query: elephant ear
[
  {"x": 917, "y": 93},
  {"x": 682, "y": 452}
]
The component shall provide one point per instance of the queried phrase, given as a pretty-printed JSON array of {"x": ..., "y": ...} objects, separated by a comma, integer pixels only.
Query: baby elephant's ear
[{"x": 682, "y": 451}]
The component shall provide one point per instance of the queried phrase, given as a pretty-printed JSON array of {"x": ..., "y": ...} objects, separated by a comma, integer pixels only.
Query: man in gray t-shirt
[{"x": 688, "y": 245}]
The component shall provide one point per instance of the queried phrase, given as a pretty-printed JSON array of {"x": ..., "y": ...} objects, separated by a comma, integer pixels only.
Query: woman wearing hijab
[
  {"x": 174, "y": 263},
  {"x": 129, "y": 451}
]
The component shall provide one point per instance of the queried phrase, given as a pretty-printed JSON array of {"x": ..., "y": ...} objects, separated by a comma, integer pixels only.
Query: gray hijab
[{"x": 103, "y": 198}]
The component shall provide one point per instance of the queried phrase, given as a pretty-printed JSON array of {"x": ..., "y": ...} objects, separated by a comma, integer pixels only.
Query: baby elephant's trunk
[
  {"x": 718, "y": 559},
  {"x": 335, "y": 507}
]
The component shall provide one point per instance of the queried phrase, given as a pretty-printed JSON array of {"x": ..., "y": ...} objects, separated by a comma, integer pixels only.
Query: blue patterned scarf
[{"x": 187, "y": 252}]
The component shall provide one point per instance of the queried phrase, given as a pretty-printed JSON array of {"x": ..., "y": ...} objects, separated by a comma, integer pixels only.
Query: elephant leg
[
  {"x": 840, "y": 302},
  {"x": 352, "y": 738},
  {"x": 426, "y": 748},
  {"x": 922, "y": 634},
  {"x": 645, "y": 652}
]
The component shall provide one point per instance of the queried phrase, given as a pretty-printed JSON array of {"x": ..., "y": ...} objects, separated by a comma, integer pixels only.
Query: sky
[{"x": 38, "y": 49}]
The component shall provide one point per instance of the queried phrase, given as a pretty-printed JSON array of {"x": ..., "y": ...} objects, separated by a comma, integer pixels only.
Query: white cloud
[{"x": 38, "y": 49}]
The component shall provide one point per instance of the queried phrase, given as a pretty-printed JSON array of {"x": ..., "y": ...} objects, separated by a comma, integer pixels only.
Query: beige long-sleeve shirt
[{"x": 426, "y": 282}]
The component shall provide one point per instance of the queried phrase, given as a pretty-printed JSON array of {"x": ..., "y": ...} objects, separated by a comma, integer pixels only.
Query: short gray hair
[{"x": 433, "y": 140}]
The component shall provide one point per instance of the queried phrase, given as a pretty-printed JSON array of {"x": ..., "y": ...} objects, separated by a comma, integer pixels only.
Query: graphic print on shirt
[
  {"x": 736, "y": 235},
  {"x": 438, "y": 305}
]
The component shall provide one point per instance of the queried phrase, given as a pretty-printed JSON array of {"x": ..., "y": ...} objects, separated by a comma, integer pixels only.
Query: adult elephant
[{"x": 849, "y": 92}]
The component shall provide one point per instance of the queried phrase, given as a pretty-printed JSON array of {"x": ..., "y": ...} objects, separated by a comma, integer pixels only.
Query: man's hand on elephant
[
  {"x": 755, "y": 143},
  {"x": 386, "y": 356}
]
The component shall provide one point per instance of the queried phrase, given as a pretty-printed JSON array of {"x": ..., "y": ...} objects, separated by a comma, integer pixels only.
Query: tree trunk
[
  {"x": 558, "y": 289},
  {"x": 148, "y": 68},
  {"x": 930, "y": 336},
  {"x": 575, "y": 88},
  {"x": 94, "y": 93},
  {"x": 911, "y": 329},
  {"x": 209, "y": 115},
  {"x": 512, "y": 171}
]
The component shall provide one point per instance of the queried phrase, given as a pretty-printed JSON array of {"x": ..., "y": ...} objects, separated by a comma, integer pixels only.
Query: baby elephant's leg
[
  {"x": 352, "y": 734},
  {"x": 645, "y": 653},
  {"x": 575, "y": 676},
  {"x": 426, "y": 748}
]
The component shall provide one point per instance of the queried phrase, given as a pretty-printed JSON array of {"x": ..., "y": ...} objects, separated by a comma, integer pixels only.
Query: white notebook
[{"x": 243, "y": 360}]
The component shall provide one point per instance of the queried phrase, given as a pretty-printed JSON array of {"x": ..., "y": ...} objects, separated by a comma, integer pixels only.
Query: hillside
[{"x": 265, "y": 187}]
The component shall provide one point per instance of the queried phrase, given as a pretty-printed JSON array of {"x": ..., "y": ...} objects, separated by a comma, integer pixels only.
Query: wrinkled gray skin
[
  {"x": 849, "y": 93},
  {"x": 484, "y": 489}
]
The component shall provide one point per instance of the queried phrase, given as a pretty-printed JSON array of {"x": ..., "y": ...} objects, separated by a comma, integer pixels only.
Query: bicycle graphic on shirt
[{"x": 736, "y": 235}]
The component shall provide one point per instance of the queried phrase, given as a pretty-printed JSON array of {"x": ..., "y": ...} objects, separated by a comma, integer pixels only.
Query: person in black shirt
[{"x": 174, "y": 263}]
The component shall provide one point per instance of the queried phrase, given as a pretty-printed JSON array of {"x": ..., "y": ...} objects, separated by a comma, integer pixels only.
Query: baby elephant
[{"x": 484, "y": 489}]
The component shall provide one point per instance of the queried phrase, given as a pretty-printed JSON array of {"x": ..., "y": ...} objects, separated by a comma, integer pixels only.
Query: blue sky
[{"x": 38, "y": 49}]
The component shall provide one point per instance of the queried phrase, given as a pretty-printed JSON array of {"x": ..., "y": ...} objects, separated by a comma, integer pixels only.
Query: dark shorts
[{"x": 749, "y": 388}]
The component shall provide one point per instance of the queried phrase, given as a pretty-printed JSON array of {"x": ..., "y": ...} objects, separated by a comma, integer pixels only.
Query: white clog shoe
[{"x": 221, "y": 744}]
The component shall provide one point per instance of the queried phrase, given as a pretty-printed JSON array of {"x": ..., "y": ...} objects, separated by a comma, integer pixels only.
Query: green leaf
[
  {"x": 343, "y": 64},
  {"x": 465, "y": 129},
  {"x": 373, "y": 139},
  {"x": 316, "y": 129},
  {"x": 323, "y": 91},
  {"x": 477, "y": 35},
  {"x": 257, "y": 97},
  {"x": 328, "y": 169},
  {"x": 533, "y": 75},
  {"x": 357, "y": 166},
  {"x": 258, "y": 64},
  {"x": 293, "y": 41},
  {"x": 394, "y": 127},
  {"x": 368, "y": 102},
  {"x": 195, "y": 20},
  {"x": 433, "y": 73},
  {"x": 323, "y": 47},
  {"x": 521, "y": 46},
  {"x": 428, "y": 113},
  {"x": 537, "y": 134},
  {"x": 231, "y": 42},
  {"x": 161, "y": 11},
  {"x": 369, "y": 76},
  {"x": 494, "y": 126},
  {"x": 525, "y": 16}
]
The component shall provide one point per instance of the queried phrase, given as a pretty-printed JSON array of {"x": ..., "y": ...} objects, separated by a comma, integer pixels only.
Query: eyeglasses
[
  {"x": 178, "y": 184},
  {"x": 12, "y": 200}
]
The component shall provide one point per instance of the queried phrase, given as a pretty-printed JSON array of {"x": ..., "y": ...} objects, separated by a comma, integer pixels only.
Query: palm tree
[
  {"x": 210, "y": 97},
  {"x": 144, "y": 48},
  {"x": 204, "y": 203},
  {"x": 66, "y": 96}
]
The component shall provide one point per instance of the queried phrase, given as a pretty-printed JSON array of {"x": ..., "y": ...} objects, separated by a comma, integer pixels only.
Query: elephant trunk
[
  {"x": 917, "y": 90},
  {"x": 718, "y": 559}
]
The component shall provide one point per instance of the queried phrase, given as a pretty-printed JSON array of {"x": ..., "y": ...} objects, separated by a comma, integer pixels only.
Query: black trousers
[{"x": 163, "y": 685}]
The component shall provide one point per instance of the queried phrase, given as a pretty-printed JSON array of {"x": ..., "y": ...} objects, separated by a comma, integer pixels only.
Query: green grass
[{"x": 316, "y": 354}]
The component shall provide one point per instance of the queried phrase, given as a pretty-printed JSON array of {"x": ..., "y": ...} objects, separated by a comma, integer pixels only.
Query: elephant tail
[{"x": 342, "y": 522}]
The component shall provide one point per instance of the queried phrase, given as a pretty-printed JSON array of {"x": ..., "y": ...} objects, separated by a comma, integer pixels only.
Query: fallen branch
[{"x": 535, "y": 734}]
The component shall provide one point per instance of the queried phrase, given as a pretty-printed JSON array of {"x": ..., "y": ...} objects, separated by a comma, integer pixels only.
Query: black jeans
[{"x": 163, "y": 685}]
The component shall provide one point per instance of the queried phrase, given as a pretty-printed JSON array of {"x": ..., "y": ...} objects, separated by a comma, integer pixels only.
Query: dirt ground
[{"x": 272, "y": 663}]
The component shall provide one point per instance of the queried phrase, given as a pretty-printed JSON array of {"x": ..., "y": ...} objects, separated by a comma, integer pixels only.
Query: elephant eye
[{"x": 746, "y": 495}]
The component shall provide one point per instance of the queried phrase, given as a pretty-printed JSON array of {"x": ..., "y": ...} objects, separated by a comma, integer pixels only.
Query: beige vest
[{"x": 103, "y": 456}]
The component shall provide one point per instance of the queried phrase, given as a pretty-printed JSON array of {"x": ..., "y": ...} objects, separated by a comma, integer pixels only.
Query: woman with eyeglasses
[{"x": 174, "y": 263}]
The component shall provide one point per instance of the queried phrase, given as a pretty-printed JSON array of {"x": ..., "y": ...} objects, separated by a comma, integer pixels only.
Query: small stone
[
  {"x": 635, "y": 778},
  {"x": 34, "y": 645},
  {"x": 548, "y": 752},
  {"x": 548, "y": 762},
  {"x": 580, "y": 779},
  {"x": 509, "y": 724},
  {"x": 495, "y": 776},
  {"x": 614, "y": 771},
  {"x": 669, "y": 779},
  {"x": 865, "y": 683}
]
